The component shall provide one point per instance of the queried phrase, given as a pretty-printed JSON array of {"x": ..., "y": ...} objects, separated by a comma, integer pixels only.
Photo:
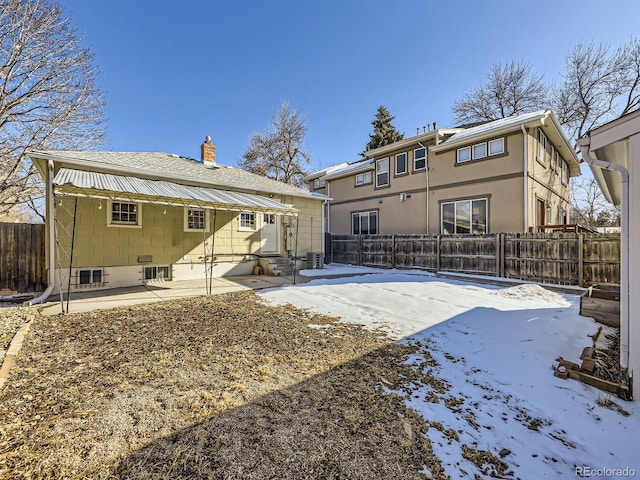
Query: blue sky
[{"x": 174, "y": 72}]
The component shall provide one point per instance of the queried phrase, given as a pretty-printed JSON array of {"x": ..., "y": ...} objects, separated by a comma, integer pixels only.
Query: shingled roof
[{"x": 166, "y": 166}]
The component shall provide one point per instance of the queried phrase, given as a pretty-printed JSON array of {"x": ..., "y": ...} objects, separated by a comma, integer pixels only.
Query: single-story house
[
  {"x": 118, "y": 219},
  {"x": 613, "y": 153}
]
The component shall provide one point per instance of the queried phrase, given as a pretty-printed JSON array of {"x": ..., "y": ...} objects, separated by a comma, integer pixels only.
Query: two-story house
[{"x": 509, "y": 175}]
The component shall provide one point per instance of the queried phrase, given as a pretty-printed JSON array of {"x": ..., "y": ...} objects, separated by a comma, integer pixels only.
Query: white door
[{"x": 269, "y": 234}]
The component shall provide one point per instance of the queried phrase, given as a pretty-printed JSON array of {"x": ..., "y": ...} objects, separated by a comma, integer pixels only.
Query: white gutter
[
  {"x": 52, "y": 239},
  {"x": 525, "y": 154},
  {"x": 585, "y": 145}
]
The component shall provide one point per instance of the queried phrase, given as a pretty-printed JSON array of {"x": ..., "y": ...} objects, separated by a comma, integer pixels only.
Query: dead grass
[{"x": 220, "y": 387}]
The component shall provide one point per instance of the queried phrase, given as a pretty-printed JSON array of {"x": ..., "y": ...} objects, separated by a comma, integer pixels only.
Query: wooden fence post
[
  {"x": 393, "y": 251},
  {"x": 438, "y": 253},
  {"x": 498, "y": 255},
  {"x": 581, "y": 259},
  {"x": 502, "y": 241}
]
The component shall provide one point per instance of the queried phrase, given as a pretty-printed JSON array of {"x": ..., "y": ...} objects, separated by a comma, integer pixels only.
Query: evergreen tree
[{"x": 384, "y": 132}]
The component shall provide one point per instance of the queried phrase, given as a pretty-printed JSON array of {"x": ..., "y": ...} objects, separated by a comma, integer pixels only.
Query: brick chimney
[{"x": 208, "y": 152}]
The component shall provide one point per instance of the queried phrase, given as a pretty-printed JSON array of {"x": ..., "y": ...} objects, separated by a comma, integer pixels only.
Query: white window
[
  {"x": 247, "y": 221},
  {"x": 479, "y": 150},
  {"x": 562, "y": 216},
  {"x": 157, "y": 273},
  {"x": 419, "y": 159},
  {"x": 269, "y": 218},
  {"x": 382, "y": 172},
  {"x": 319, "y": 183},
  {"x": 401, "y": 164},
  {"x": 124, "y": 214},
  {"x": 363, "y": 178},
  {"x": 195, "y": 220},
  {"x": 565, "y": 172},
  {"x": 464, "y": 154},
  {"x": 464, "y": 216},
  {"x": 496, "y": 147},
  {"x": 90, "y": 277},
  {"x": 553, "y": 158},
  {"x": 559, "y": 161},
  {"x": 542, "y": 148},
  {"x": 364, "y": 223}
]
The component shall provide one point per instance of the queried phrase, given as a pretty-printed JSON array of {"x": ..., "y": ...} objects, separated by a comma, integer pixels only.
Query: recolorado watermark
[{"x": 606, "y": 472}]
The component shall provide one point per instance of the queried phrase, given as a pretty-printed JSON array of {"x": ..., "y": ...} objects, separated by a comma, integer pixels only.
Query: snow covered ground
[{"x": 494, "y": 348}]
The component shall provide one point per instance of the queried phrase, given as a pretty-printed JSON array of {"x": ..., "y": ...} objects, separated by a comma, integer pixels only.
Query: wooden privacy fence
[
  {"x": 22, "y": 257},
  {"x": 562, "y": 258}
]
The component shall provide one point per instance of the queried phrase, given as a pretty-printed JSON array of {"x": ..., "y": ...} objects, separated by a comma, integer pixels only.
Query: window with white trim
[
  {"x": 464, "y": 216},
  {"x": 464, "y": 154},
  {"x": 382, "y": 172},
  {"x": 562, "y": 216},
  {"x": 553, "y": 159},
  {"x": 195, "y": 219},
  {"x": 496, "y": 147},
  {"x": 247, "y": 221},
  {"x": 565, "y": 172},
  {"x": 154, "y": 272},
  {"x": 363, "y": 178},
  {"x": 319, "y": 183},
  {"x": 542, "y": 148},
  {"x": 401, "y": 164},
  {"x": 419, "y": 159},
  {"x": 364, "y": 223},
  {"x": 124, "y": 214},
  {"x": 480, "y": 150}
]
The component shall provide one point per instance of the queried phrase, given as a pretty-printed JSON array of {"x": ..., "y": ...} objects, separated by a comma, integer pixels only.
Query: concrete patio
[{"x": 159, "y": 291}]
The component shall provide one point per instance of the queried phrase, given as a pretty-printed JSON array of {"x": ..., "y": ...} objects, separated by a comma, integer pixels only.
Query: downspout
[
  {"x": 52, "y": 239},
  {"x": 585, "y": 144},
  {"x": 525, "y": 154},
  {"x": 325, "y": 207},
  {"x": 328, "y": 207},
  {"x": 426, "y": 176}
]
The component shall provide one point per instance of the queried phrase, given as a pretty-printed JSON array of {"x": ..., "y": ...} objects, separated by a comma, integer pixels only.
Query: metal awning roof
[{"x": 80, "y": 183}]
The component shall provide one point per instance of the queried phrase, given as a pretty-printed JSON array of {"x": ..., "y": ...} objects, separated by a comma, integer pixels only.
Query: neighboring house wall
[
  {"x": 476, "y": 181},
  {"x": 399, "y": 196},
  {"x": 549, "y": 182},
  {"x": 498, "y": 179}
]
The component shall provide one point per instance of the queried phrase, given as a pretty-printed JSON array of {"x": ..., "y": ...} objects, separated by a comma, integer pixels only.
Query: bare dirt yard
[{"x": 214, "y": 387}]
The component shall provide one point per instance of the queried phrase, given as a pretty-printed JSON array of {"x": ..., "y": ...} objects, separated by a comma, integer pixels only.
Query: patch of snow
[{"x": 495, "y": 348}]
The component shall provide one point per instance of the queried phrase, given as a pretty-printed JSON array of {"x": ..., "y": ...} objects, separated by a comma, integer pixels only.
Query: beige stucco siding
[
  {"x": 395, "y": 216},
  {"x": 504, "y": 202}
]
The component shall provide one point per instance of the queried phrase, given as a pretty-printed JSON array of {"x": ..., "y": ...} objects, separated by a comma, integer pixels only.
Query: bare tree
[
  {"x": 48, "y": 95},
  {"x": 599, "y": 85},
  {"x": 277, "y": 153},
  {"x": 510, "y": 89},
  {"x": 589, "y": 206}
]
